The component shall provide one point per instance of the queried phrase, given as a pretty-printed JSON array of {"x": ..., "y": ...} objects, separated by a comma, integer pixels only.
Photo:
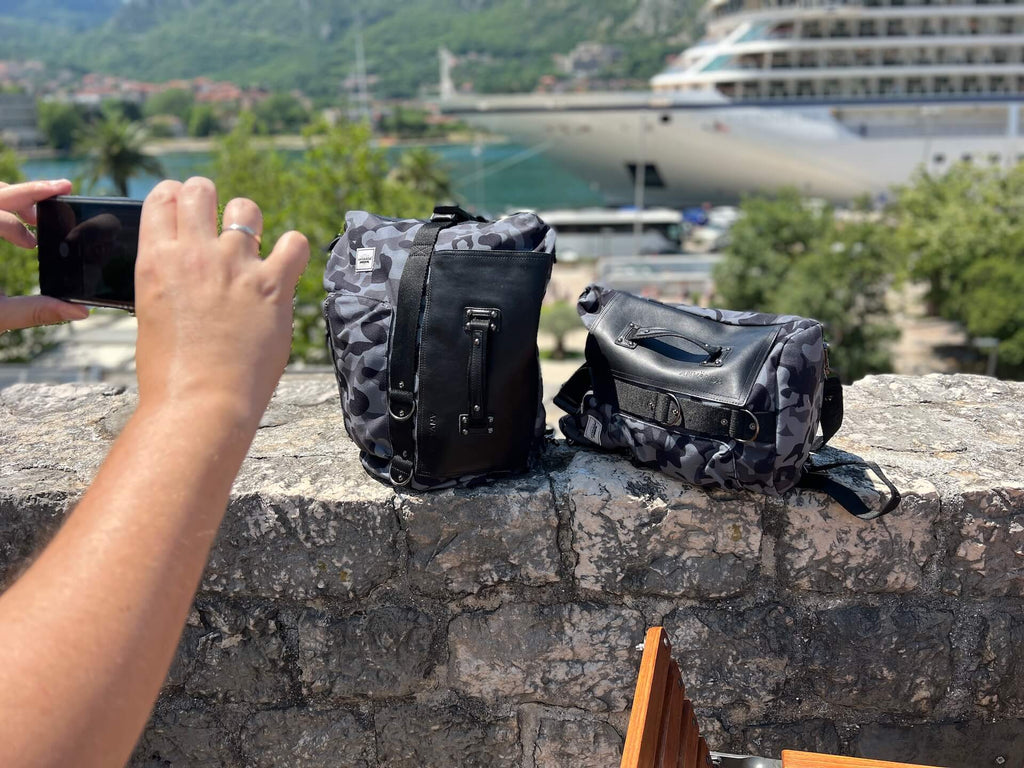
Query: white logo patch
[
  {"x": 593, "y": 430},
  {"x": 365, "y": 257}
]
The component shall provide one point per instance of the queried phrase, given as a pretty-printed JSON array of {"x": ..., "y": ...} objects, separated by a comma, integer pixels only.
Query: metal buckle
[
  {"x": 678, "y": 420},
  {"x": 757, "y": 428}
]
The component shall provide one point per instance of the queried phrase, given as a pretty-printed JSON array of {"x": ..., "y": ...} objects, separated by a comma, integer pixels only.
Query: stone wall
[{"x": 341, "y": 624}]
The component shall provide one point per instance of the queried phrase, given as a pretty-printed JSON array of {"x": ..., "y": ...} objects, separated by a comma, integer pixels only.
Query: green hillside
[{"x": 309, "y": 44}]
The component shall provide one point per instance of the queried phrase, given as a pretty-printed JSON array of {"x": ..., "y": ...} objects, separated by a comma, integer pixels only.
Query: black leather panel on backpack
[
  {"x": 478, "y": 362},
  {"x": 656, "y": 344}
]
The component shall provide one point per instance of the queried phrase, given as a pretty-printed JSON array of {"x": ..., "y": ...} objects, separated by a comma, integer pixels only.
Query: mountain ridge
[{"x": 309, "y": 44}]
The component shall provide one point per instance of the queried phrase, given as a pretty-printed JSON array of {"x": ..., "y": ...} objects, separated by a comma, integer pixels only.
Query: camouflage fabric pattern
[
  {"x": 790, "y": 383},
  {"x": 359, "y": 313}
]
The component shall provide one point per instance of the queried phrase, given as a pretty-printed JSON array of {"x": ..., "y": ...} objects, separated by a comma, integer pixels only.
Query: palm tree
[
  {"x": 421, "y": 169},
  {"x": 114, "y": 146}
]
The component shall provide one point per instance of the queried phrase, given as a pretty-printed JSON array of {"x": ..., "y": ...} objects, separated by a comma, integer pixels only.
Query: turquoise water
[{"x": 494, "y": 178}]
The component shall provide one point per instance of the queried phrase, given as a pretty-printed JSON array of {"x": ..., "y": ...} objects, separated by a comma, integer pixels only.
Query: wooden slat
[
  {"x": 691, "y": 736},
  {"x": 648, "y": 701},
  {"x": 794, "y": 759},
  {"x": 668, "y": 743},
  {"x": 703, "y": 754}
]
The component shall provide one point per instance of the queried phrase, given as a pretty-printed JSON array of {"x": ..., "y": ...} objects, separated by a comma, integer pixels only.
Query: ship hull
[{"x": 718, "y": 152}]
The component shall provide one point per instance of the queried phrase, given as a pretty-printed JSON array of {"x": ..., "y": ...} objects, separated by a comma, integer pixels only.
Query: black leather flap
[{"x": 661, "y": 346}]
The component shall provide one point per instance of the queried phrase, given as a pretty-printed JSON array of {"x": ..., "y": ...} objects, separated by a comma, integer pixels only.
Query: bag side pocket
[{"x": 360, "y": 330}]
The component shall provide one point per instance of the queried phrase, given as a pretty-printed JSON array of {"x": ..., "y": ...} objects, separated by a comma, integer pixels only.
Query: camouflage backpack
[
  {"x": 709, "y": 396},
  {"x": 432, "y": 327}
]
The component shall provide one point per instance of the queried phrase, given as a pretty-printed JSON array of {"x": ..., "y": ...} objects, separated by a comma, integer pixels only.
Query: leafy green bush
[
  {"x": 340, "y": 172},
  {"x": 790, "y": 257}
]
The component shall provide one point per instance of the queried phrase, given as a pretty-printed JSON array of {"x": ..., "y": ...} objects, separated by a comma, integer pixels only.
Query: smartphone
[{"x": 87, "y": 249}]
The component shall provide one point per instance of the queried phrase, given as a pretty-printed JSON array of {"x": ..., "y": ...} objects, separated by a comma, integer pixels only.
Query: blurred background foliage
[{"x": 961, "y": 234}]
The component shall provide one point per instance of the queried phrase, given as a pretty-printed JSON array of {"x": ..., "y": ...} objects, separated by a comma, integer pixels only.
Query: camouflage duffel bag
[
  {"x": 709, "y": 396},
  {"x": 432, "y": 327}
]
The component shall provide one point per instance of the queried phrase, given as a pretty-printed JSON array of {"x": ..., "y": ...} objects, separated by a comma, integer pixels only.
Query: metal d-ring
[
  {"x": 396, "y": 417},
  {"x": 400, "y": 483}
]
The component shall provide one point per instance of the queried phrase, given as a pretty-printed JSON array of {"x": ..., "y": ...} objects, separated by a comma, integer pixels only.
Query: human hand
[
  {"x": 215, "y": 321},
  {"x": 17, "y": 208}
]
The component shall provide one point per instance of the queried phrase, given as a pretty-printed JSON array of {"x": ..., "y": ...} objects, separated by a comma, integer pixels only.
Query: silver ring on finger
[{"x": 245, "y": 230}]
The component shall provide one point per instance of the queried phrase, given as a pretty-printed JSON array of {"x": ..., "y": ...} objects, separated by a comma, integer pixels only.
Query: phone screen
[{"x": 87, "y": 249}]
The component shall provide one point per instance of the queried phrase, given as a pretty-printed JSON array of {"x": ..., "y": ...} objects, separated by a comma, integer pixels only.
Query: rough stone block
[
  {"x": 998, "y": 682},
  {"x": 882, "y": 660},
  {"x": 302, "y": 549},
  {"x": 26, "y": 524},
  {"x": 235, "y": 654},
  {"x": 445, "y": 731},
  {"x": 578, "y": 655},
  {"x": 188, "y": 732},
  {"x": 555, "y": 737},
  {"x": 301, "y": 738},
  {"x": 770, "y": 740},
  {"x": 989, "y": 558},
  {"x": 973, "y": 744},
  {"x": 462, "y": 541},
  {"x": 382, "y": 652},
  {"x": 738, "y": 661},
  {"x": 637, "y": 531},
  {"x": 823, "y": 548}
]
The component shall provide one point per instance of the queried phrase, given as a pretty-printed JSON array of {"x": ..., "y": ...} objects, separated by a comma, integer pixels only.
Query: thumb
[{"x": 28, "y": 311}]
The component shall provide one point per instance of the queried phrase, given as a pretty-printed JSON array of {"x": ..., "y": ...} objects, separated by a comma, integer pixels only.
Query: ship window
[
  {"x": 939, "y": 159},
  {"x": 652, "y": 179},
  {"x": 666, "y": 118},
  {"x": 966, "y": 157},
  {"x": 995, "y": 158}
]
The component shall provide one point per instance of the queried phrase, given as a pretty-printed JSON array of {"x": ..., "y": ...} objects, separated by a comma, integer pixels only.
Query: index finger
[
  {"x": 18, "y": 198},
  {"x": 159, "y": 215}
]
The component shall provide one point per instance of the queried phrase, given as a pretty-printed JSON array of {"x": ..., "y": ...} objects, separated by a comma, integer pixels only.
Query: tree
[
  {"x": 339, "y": 172},
  {"x": 176, "y": 102},
  {"x": 115, "y": 149},
  {"x": 791, "y": 257},
  {"x": 559, "y": 318},
  {"x": 280, "y": 113},
  {"x": 203, "y": 121},
  {"x": 61, "y": 124},
  {"x": 963, "y": 234},
  {"x": 19, "y": 274},
  {"x": 421, "y": 169}
]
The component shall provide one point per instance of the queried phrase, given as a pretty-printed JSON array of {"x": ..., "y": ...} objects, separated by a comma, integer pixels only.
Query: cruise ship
[{"x": 838, "y": 98}]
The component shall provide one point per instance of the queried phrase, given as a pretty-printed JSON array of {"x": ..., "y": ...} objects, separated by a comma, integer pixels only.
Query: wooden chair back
[{"x": 663, "y": 731}]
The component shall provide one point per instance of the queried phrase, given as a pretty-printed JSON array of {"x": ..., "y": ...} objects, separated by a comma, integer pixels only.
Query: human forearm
[{"x": 101, "y": 638}]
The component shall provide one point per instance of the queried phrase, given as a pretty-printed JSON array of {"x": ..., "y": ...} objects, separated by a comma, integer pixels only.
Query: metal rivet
[
  {"x": 401, "y": 413},
  {"x": 494, "y": 327},
  {"x": 490, "y": 419},
  {"x": 465, "y": 431},
  {"x": 494, "y": 313},
  {"x": 725, "y": 422},
  {"x": 476, "y": 342},
  {"x": 405, "y": 454},
  {"x": 401, "y": 385},
  {"x": 476, "y": 409},
  {"x": 467, "y": 326},
  {"x": 490, "y": 430}
]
